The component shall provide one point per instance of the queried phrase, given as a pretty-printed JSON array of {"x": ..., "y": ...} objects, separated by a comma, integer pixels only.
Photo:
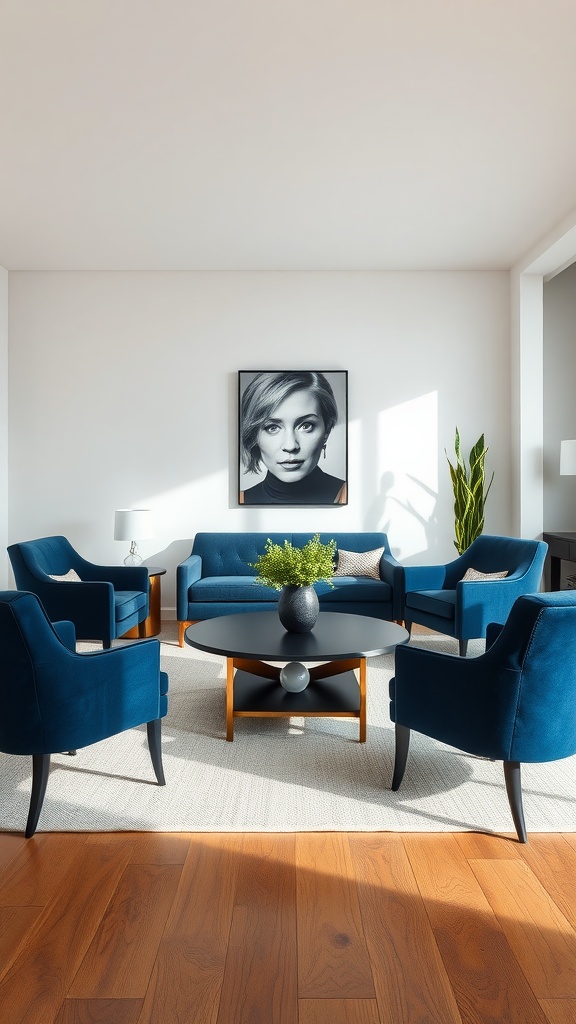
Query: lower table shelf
[
  {"x": 256, "y": 696},
  {"x": 253, "y": 689}
]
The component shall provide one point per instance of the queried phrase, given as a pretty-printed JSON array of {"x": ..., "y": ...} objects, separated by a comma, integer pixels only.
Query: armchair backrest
[
  {"x": 490, "y": 553},
  {"x": 45, "y": 556},
  {"x": 532, "y": 664}
]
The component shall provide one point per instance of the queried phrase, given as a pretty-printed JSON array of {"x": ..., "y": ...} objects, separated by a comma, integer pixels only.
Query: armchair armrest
[
  {"x": 424, "y": 577},
  {"x": 122, "y": 577},
  {"x": 469, "y": 703},
  {"x": 493, "y": 630},
  {"x": 66, "y": 632},
  {"x": 392, "y": 572},
  {"x": 187, "y": 572},
  {"x": 476, "y": 608},
  {"x": 87, "y": 697}
]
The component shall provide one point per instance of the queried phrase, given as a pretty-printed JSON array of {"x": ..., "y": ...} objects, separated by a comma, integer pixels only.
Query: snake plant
[{"x": 470, "y": 492}]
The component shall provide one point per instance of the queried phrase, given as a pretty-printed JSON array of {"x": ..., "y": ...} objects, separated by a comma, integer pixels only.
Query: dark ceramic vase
[{"x": 298, "y": 608}]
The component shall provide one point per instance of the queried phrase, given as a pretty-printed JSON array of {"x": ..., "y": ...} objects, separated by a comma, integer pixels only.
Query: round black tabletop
[
  {"x": 260, "y": 635},
  {"x": 155, "y": 570}
]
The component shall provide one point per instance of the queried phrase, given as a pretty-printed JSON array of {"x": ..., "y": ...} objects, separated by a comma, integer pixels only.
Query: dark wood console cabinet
[{"x": 561, "y": 547}]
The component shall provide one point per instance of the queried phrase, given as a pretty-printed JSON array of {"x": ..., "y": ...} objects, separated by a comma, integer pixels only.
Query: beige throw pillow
[
  {"x": 359, "y": 563},
  {"x": 475, "y": 576},
  {"x": 69, "y": 577}
]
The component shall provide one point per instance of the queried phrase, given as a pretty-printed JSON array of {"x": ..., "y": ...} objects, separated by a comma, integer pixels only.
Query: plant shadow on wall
[{"x": 376, "y": 518}]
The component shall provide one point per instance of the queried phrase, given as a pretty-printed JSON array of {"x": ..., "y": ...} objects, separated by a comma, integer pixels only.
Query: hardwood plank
[
  {"x": 339, "y": 1011},
  {"x": 99, "y": 1011},
  {"x": 119, "y": 961},
  {"x": 187, "y": 976},
  {"x": 333, "y": 957},
  {"x": 559, "y": 1011},
  {"x": 149, "y": 847},
  {"x": 481, "y": 846},
  {"x": 488, "y": 983},
  {"x": 16, "y": 923},
  {"x": 35, "y": 984},
  {"x": 570, "y": 838},
  {"x": 553, "y": 861},
  {"x": 11, "y": 845},
  {"x": 541, "y": 938},
  {"x": 260, "y": 977},
  {"x": 411, "y": 983},
  {"x": 36, "y": 875}
]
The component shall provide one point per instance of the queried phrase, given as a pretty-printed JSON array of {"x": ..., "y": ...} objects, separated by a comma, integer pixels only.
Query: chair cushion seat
[
  {"x": 433, "y": 602},
  {"x": 127, "y": 603}
]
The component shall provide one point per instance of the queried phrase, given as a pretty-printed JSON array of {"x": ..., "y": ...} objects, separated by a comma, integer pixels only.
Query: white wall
[
  {"x": 3, "y": 427},
  {"x": 559, "y": 398},
  {"x": 123, "y": 392}
]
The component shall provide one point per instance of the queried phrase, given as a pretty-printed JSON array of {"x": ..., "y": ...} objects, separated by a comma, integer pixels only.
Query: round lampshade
[{"x": 133, "y": 524}]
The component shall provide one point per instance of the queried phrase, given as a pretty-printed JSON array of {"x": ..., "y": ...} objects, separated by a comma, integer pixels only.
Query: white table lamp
[
  {"x": 133, "y": 524},
  {"x": 567, "y": 458}
]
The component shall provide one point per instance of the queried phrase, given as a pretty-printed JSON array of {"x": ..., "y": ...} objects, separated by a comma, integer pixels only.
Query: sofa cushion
[
  {"x": 433, "y": 602},
  {"x": 475, "y": 576},
  {"x": 69, "y": 577},
  {"x": 230, "y": 588},
  {"x": 357, "y": 588},
  {"x": 359, "y": 563}
]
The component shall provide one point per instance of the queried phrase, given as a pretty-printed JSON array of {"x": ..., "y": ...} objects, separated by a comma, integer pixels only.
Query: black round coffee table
[{"x": 342, "y": 642}]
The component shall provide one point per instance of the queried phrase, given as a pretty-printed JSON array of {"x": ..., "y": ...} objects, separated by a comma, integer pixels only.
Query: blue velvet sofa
[{"x": 217, "y": 579}]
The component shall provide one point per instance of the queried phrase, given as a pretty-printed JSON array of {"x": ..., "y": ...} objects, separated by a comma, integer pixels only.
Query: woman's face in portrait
[{"x": 292, "y": 437}]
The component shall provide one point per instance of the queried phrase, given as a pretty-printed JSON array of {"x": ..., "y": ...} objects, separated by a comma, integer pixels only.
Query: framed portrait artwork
[{"x": 293, "y": 437}]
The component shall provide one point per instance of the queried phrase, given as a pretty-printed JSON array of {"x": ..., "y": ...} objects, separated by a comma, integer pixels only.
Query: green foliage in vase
[
  {"x": 470, "y": 492},
  {"x": 283, "y": 565}
]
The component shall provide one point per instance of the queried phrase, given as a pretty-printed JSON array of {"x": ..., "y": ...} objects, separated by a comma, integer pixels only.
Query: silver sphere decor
[{"x": 294, "y": 677}]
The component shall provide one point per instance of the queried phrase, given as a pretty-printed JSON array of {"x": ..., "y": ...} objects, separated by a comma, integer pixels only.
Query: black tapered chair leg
[
  {"x": 154, "y": 730},
  {"x": 462, "y": 648},
  {"x": 401, "y": 755},
  {"x": 514, "y": 790},
  {"x": 40, "y": 773}
]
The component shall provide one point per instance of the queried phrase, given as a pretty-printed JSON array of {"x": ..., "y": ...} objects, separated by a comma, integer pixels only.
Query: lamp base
[{"x": 133, "y": 557}]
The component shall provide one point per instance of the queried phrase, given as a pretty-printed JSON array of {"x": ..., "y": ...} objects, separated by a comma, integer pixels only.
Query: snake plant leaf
[{"x": 470, "y": 492}]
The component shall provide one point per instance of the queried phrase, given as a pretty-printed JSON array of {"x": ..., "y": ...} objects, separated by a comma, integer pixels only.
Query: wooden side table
[
  {"x": 152, "y": 624},
  {"x": 561, "y": 546}
]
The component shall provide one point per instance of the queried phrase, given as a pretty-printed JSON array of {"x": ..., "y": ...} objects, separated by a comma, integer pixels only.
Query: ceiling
[{"x": 284, "y": 134}]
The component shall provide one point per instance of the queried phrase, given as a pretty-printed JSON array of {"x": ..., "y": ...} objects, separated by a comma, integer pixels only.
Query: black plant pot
[{"x": 298, "y": 608}]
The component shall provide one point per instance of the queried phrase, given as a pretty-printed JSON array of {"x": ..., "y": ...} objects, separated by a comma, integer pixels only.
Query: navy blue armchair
[
  {"x": 437, "y": 596},
  {"x": 54, "y": 700},
  {"x": 515, "y": 703},
  {"x": 104, "y": 603}
]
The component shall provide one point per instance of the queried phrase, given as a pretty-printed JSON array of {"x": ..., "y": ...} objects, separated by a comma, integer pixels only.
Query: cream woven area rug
[{"x": 278, "y": 775}]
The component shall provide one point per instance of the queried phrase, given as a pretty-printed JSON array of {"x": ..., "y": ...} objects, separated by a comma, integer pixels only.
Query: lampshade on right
[{"x": 568, "y": 458}]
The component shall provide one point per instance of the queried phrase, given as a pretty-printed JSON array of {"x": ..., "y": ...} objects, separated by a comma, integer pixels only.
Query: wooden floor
[{"x": 312, "y": 928}]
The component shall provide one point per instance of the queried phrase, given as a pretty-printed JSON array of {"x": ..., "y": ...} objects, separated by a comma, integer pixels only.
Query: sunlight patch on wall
[{"x": 408, "y": 466}]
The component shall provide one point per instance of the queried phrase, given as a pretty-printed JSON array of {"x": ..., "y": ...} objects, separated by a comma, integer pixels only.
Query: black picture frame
[{"x": 305, "y": 456}]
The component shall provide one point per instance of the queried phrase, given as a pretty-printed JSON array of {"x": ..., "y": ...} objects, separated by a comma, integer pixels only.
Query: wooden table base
[{"x": 248, "y": 695}]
